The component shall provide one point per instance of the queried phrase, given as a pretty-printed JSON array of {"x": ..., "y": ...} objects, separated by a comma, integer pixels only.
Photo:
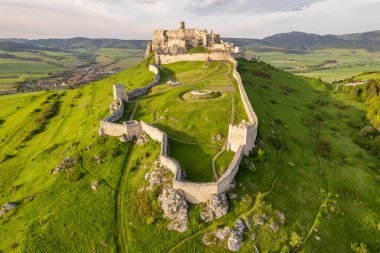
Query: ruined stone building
[{"x": 180, "y": 40}]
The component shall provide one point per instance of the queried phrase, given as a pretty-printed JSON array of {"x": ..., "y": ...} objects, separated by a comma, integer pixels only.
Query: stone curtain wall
[
  {"x": 215, "y": 56},
  {"x": 247, "y": 105},
  {"x": 194, "y": 192},
  {"x": 141, "y": 91}
]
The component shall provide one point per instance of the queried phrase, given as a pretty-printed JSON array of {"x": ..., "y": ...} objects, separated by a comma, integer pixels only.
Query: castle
[{"x": 179, "y": 41}]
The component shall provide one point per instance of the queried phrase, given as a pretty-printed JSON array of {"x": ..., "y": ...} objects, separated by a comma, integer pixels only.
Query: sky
[{"x": 135, "y": 19}]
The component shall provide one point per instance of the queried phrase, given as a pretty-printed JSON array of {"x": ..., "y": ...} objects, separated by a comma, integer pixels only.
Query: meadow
[{"x": 311, "y": 169}]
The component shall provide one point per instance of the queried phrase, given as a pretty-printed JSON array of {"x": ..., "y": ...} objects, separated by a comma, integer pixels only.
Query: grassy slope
[{"x": 62, "y": 211}]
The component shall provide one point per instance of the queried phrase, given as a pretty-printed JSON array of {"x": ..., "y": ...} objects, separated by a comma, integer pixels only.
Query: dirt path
[
  {"x": 119, "y": 226},
  {"x": 232, "y": 116},
  {"x": 194, "y": 143}
]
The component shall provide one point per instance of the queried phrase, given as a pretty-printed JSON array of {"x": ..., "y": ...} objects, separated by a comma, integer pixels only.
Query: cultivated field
[{"x": 329, "y": 64}]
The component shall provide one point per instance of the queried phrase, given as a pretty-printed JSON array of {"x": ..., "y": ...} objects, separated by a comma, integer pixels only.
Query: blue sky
[{"x": 135, "y": 19}]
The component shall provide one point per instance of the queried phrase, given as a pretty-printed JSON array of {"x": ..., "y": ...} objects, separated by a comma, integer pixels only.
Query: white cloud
[{"x": 131, "y": 19}]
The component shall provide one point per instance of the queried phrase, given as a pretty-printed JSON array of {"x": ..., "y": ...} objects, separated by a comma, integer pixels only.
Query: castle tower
[
  {"x": 243, "y": 134},
  {"x": 181, "y": 25},
  {"x": 119, "y": 92}
]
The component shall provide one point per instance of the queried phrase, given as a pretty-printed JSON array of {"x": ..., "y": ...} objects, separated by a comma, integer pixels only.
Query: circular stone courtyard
[{"x": 200, "y": 95}]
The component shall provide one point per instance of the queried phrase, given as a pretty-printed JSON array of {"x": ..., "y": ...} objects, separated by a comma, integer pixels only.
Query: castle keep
[{"x": 180, "y": 40}]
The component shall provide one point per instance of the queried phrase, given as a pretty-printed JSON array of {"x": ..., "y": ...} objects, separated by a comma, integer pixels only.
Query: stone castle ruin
[
  {"x": 171, "y": 46},
  {"x": 181, "y": 40}
]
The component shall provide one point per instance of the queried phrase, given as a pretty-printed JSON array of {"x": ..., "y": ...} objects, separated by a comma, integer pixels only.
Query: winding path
[{"x": 232, "y": 116}]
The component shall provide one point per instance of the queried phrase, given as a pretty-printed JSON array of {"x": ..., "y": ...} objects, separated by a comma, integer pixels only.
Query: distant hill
[
  {"x": 293, "y": 42},
  {"x": 9, "y": 46},
  {"x": 300, "y": 40},
  {"x": 91, "y": 44}
]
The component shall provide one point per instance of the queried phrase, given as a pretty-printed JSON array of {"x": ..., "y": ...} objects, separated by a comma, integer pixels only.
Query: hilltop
[{"x": 311, "y": 181}]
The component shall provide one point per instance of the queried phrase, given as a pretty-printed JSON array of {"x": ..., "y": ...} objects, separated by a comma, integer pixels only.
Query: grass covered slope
[
  {"x": 194, "y": 126},
  {"x": 324, "y": 178},
  {"x": 61, "y": 211}
]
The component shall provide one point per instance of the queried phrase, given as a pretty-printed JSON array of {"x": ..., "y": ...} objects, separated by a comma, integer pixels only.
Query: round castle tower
[{"x": 181, "y": 25}]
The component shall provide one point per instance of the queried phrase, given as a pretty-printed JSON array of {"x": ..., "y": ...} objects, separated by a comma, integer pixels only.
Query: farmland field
[{"x": 328, "y": 64}]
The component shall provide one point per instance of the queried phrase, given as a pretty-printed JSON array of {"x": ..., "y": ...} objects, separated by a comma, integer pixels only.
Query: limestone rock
[
  {"x": 217, "y": 206},
  {"x": 123, "y": 138},
  {"x": 258, "y": 219},
  {"x": 239, "y": 226},
  {"x": 280, "y": 216},
  {"x": 223, "y": 233},
  {"x": 7, "y": 207},
  {"x": 274, "y": 226},
  {"x": 114, "y": 106},
  {"x": 208, "y": 239},
  {"x": 175, "y": 208},
  {"x": 101, "y": 132},
  {"x": 234, "y": 240},
  {"x": 143, "y": 138},
  {"x": 158, "y": 176},
  {"x": 248, "y": 223},
  {"x": 67, "y": 163},
  {"x": 94, "y": 185},
  {"x": 233, "y": 195},
  {"x": 233, "y": 184}
]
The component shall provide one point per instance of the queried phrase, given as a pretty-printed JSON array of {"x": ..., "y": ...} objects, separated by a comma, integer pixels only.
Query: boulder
[
  {"x": 274, "y": 226},
  {"x": 239, "y": 226},
  {"x": 258, "y": 219},
  {"x": 94, "y": 185},
  {"x": 248, "y": 223},
  {"x": 233, "y": 195},
  {"x": 143, "y": 138},
  {"x": 234, "y": 240},
  {"x": 217, "y": 206},
  {"x": 114, "y": 106},
  {"x": 175, "y": 208},
  {"x": 222, "y": 233},
  {"x": 7, "y": 207},
  {"x": 101, "y": 132},
  {"x": 280, "y": 216}
]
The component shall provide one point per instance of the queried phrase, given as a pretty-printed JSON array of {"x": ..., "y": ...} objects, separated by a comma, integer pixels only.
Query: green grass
[
  {"x": 62, "y": 211},
  {"x": 293, "y": 180}
]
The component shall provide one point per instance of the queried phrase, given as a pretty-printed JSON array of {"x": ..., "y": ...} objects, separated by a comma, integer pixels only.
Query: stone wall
[
  {"x": 241, "y": 140},
  {"x": 214, "y": 56},
  {"x": 141, "y": 91},
  {"x": 119, "y": 92}
]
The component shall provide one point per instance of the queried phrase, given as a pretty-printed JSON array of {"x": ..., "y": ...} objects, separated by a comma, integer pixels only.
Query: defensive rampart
[
  {"x": 240, "y": 142},
  {"x": 214, "y": 56}
]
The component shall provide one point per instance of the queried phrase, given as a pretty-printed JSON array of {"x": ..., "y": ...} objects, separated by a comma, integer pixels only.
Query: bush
[
  {"x": 359, "y": 247},
  {"x": 295, "y": 239},
  {"x": 74, "y": 175},
  {"x": 324, "y": 148}
]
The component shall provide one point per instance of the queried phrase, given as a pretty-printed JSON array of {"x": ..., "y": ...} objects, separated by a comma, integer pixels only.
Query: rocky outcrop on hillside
[
  {"x": 67, "y": 164},
  {"x": 217, "y": 206},
  {"x": 114, "y": 106},
  {"x": 143, "y": 138},
  {"x": 235, "y": 238},
  {"x": 7, "y": 207},
  {"x": 175, "y": 208},
  {"x": 158, "y": 176}
]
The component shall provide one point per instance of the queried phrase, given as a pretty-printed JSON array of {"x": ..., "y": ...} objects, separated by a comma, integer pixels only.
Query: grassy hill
[{"x": 312, "y": 171}]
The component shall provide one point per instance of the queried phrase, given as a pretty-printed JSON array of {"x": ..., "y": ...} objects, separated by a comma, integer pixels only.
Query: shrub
[
  {"x": 275, "y": 141},
  {"x": 359, "y": 247},
  {"x": 74, "y": 175},
  {"x": 324, "y": 148},
  {"x": 295, "y": 239}
]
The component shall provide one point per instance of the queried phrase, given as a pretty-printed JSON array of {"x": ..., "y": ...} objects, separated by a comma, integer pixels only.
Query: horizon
[
  {"x": 136, "y": 19},
  {"x": 225, "y": 37}
]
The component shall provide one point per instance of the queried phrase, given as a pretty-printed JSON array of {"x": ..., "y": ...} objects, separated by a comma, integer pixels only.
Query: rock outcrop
[
  {"x": 217, "y": 206},
  {"x": 175, "y": 208},
  {"x": 235, "y": 238},
  {"x": 158, "y": 176},
  {"x": 94, "y": 185},
  {"x": 7, "y": 207},
  {"x": 114, "y": 106},
  {"x": 143, "y": 138},
  {"x": 67, "y": 164}
]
